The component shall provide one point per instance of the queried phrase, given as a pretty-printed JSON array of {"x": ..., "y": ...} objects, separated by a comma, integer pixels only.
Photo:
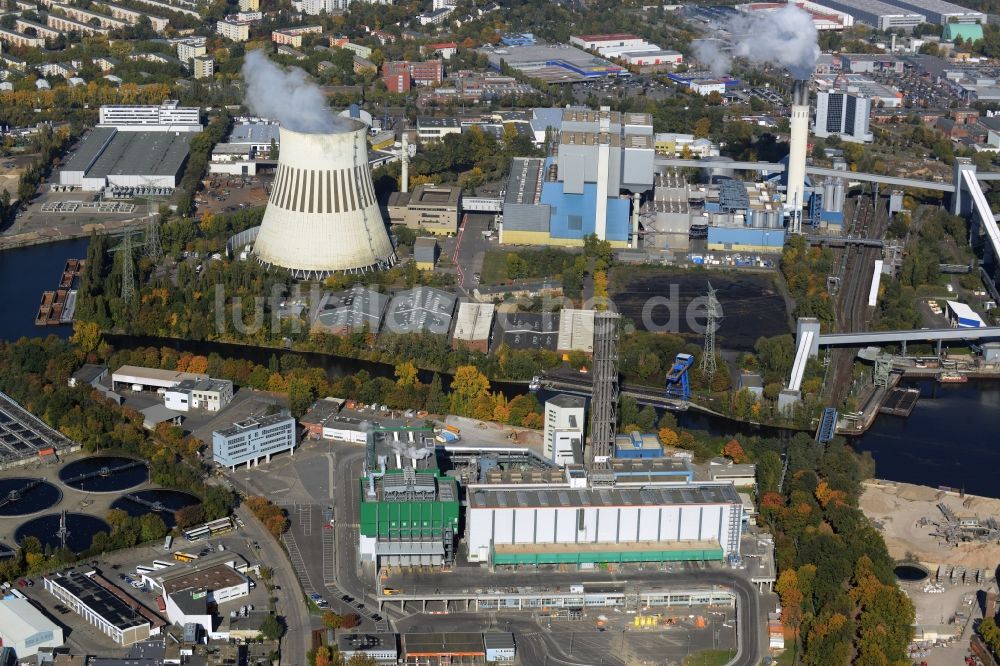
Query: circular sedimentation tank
[
  {"x": 164, "y": 502},
  {"x": 104, "y": 474},
  {"x": 80, "y": 528},
  {"x": 910, "y": 573},
  {"x": 23, "y": 496}
]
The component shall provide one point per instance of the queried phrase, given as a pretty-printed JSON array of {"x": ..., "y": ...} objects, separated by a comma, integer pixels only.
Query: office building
[
  {"x": 382, "y": 647},
  {"x": 167, "y": 117},
  {"x": 432, "y": 208},
  {"x": 430, "y": 130},
  {"x": 252, "y": 439},
  {"x": 844, "y": 114}
]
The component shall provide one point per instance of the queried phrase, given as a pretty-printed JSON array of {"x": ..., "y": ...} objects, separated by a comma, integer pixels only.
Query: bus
[
  {"x": 169, "y": 541},
  {"x": 184, "y": 557}
]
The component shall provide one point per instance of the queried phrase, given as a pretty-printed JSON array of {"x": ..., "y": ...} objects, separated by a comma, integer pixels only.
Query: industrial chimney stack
[{"x": 798, "y": 145}]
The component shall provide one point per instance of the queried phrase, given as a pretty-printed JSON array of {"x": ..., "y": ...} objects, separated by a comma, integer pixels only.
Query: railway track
[{"x": 870, "y": 220}]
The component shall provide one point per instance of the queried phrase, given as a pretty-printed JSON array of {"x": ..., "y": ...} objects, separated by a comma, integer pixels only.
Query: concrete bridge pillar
[
  {"x": 808, "y": 324},
  {"x": 960, "y": 202}
]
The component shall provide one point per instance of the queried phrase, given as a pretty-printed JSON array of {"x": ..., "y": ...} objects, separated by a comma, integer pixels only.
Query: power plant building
[
  {"x": 322, "y": 216},
  {"x": 585, "y": 526},
  {"x": 409, "y": 513},
  {"x": 578, "y": 191}
]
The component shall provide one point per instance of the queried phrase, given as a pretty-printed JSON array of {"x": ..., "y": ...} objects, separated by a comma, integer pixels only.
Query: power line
[{"x": 708, "y": 360}]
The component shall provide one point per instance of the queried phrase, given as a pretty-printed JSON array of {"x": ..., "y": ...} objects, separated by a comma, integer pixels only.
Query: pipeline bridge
[{"x": 771, "y": 167}]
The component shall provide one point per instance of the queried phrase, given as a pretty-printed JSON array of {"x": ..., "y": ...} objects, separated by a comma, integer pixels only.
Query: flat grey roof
[
  {"x": 487, "y": 497},
  {"x": 524, "y": 182},
  {"x": 566, "y": 401},
  {"x": 422, "y": 309},
  {"x": 875, "y": 7},
  {"x": 254, "y": 423},
  {"x": 88, "y": 151},
  {"x": 143, "y": 153},
  {"x": 496, "y": 640},
  {"x": 361, "y": 642},
  {"x": 353, "y": 308}
]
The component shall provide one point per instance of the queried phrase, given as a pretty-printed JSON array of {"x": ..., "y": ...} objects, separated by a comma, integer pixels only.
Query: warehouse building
[
  {"x": 99, "y": 607},
  {"x": 878, "y": 14},
  {"x": 529, "y": 330},
  {"x": 140, "y": 379},
  {"x": 252, "y": 439},
  {"x": 421, "y": 310},
  {"x": 473, "y": 326},
  {"x": 962, "y": 316},
  {"x": 941, "y": 12},
  {"x": 108, "y": 157},
  {"x": 576, "y": 524},
  {"x": 359, "y": 308},
  {"x": 576, "y": 330},
  {"x": 25, "y": 629}
]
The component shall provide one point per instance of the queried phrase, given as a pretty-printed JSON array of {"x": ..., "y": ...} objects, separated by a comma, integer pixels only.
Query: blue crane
[{"x": 678, "y": 382}]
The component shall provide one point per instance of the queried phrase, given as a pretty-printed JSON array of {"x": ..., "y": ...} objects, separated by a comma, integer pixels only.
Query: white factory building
[
  {"x": 167, "y": 117},
  {"x": 844, "y": 114},
  {"x": 212, "y": 395},
  {"x": 575, "y": 524},
  {"x": 564, "y": 424},
  {"x": 25, "y": 629}
]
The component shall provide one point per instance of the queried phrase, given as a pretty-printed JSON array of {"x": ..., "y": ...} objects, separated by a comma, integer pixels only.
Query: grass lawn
[
  {"x": 710, "y": 658},
  {"x": 494, "y": 268}
]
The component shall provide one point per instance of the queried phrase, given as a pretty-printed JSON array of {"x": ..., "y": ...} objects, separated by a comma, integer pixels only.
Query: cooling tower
[
  {"x": 798, "y": 145},
  {"x": 322, "y": 216}
]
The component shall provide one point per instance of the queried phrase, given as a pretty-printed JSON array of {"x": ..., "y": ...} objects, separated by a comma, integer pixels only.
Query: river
[
  {"x": 24, "y": 274},
  {"x": 950, "y": 438}
]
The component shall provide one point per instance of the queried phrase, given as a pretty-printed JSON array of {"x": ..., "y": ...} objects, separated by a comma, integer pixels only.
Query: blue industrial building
[
  {"x": 634, "y": 445},
  {"x": 572, "y": 216},
  {"x": 745, "y": 239}
]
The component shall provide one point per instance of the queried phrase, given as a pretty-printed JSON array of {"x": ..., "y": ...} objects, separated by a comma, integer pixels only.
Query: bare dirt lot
[{"x": 909, "y": 517}]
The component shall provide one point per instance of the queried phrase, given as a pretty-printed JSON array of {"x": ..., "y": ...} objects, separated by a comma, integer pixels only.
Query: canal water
[
  {"x": 24, "y": 274},
  {"x": 950, "y": 438}
]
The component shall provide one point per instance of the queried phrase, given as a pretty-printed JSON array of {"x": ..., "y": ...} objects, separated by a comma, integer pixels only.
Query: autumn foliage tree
[
  {"x": 734, "y": 451},
  {"x": 273, "y": 517}
]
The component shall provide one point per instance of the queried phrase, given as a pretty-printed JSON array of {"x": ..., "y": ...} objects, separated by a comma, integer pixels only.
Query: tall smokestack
[
  {"x": 405, "y": 155},
  {"x": 797, "y": 148}
]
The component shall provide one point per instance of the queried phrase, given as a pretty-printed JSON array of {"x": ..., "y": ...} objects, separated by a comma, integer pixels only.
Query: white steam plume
[
  {"x": 288, "y": 96},
  {"x": 785, "y": 37}
]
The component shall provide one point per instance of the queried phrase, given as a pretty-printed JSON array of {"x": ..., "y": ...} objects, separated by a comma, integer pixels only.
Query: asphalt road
[{"x": 291, "y": 604}]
